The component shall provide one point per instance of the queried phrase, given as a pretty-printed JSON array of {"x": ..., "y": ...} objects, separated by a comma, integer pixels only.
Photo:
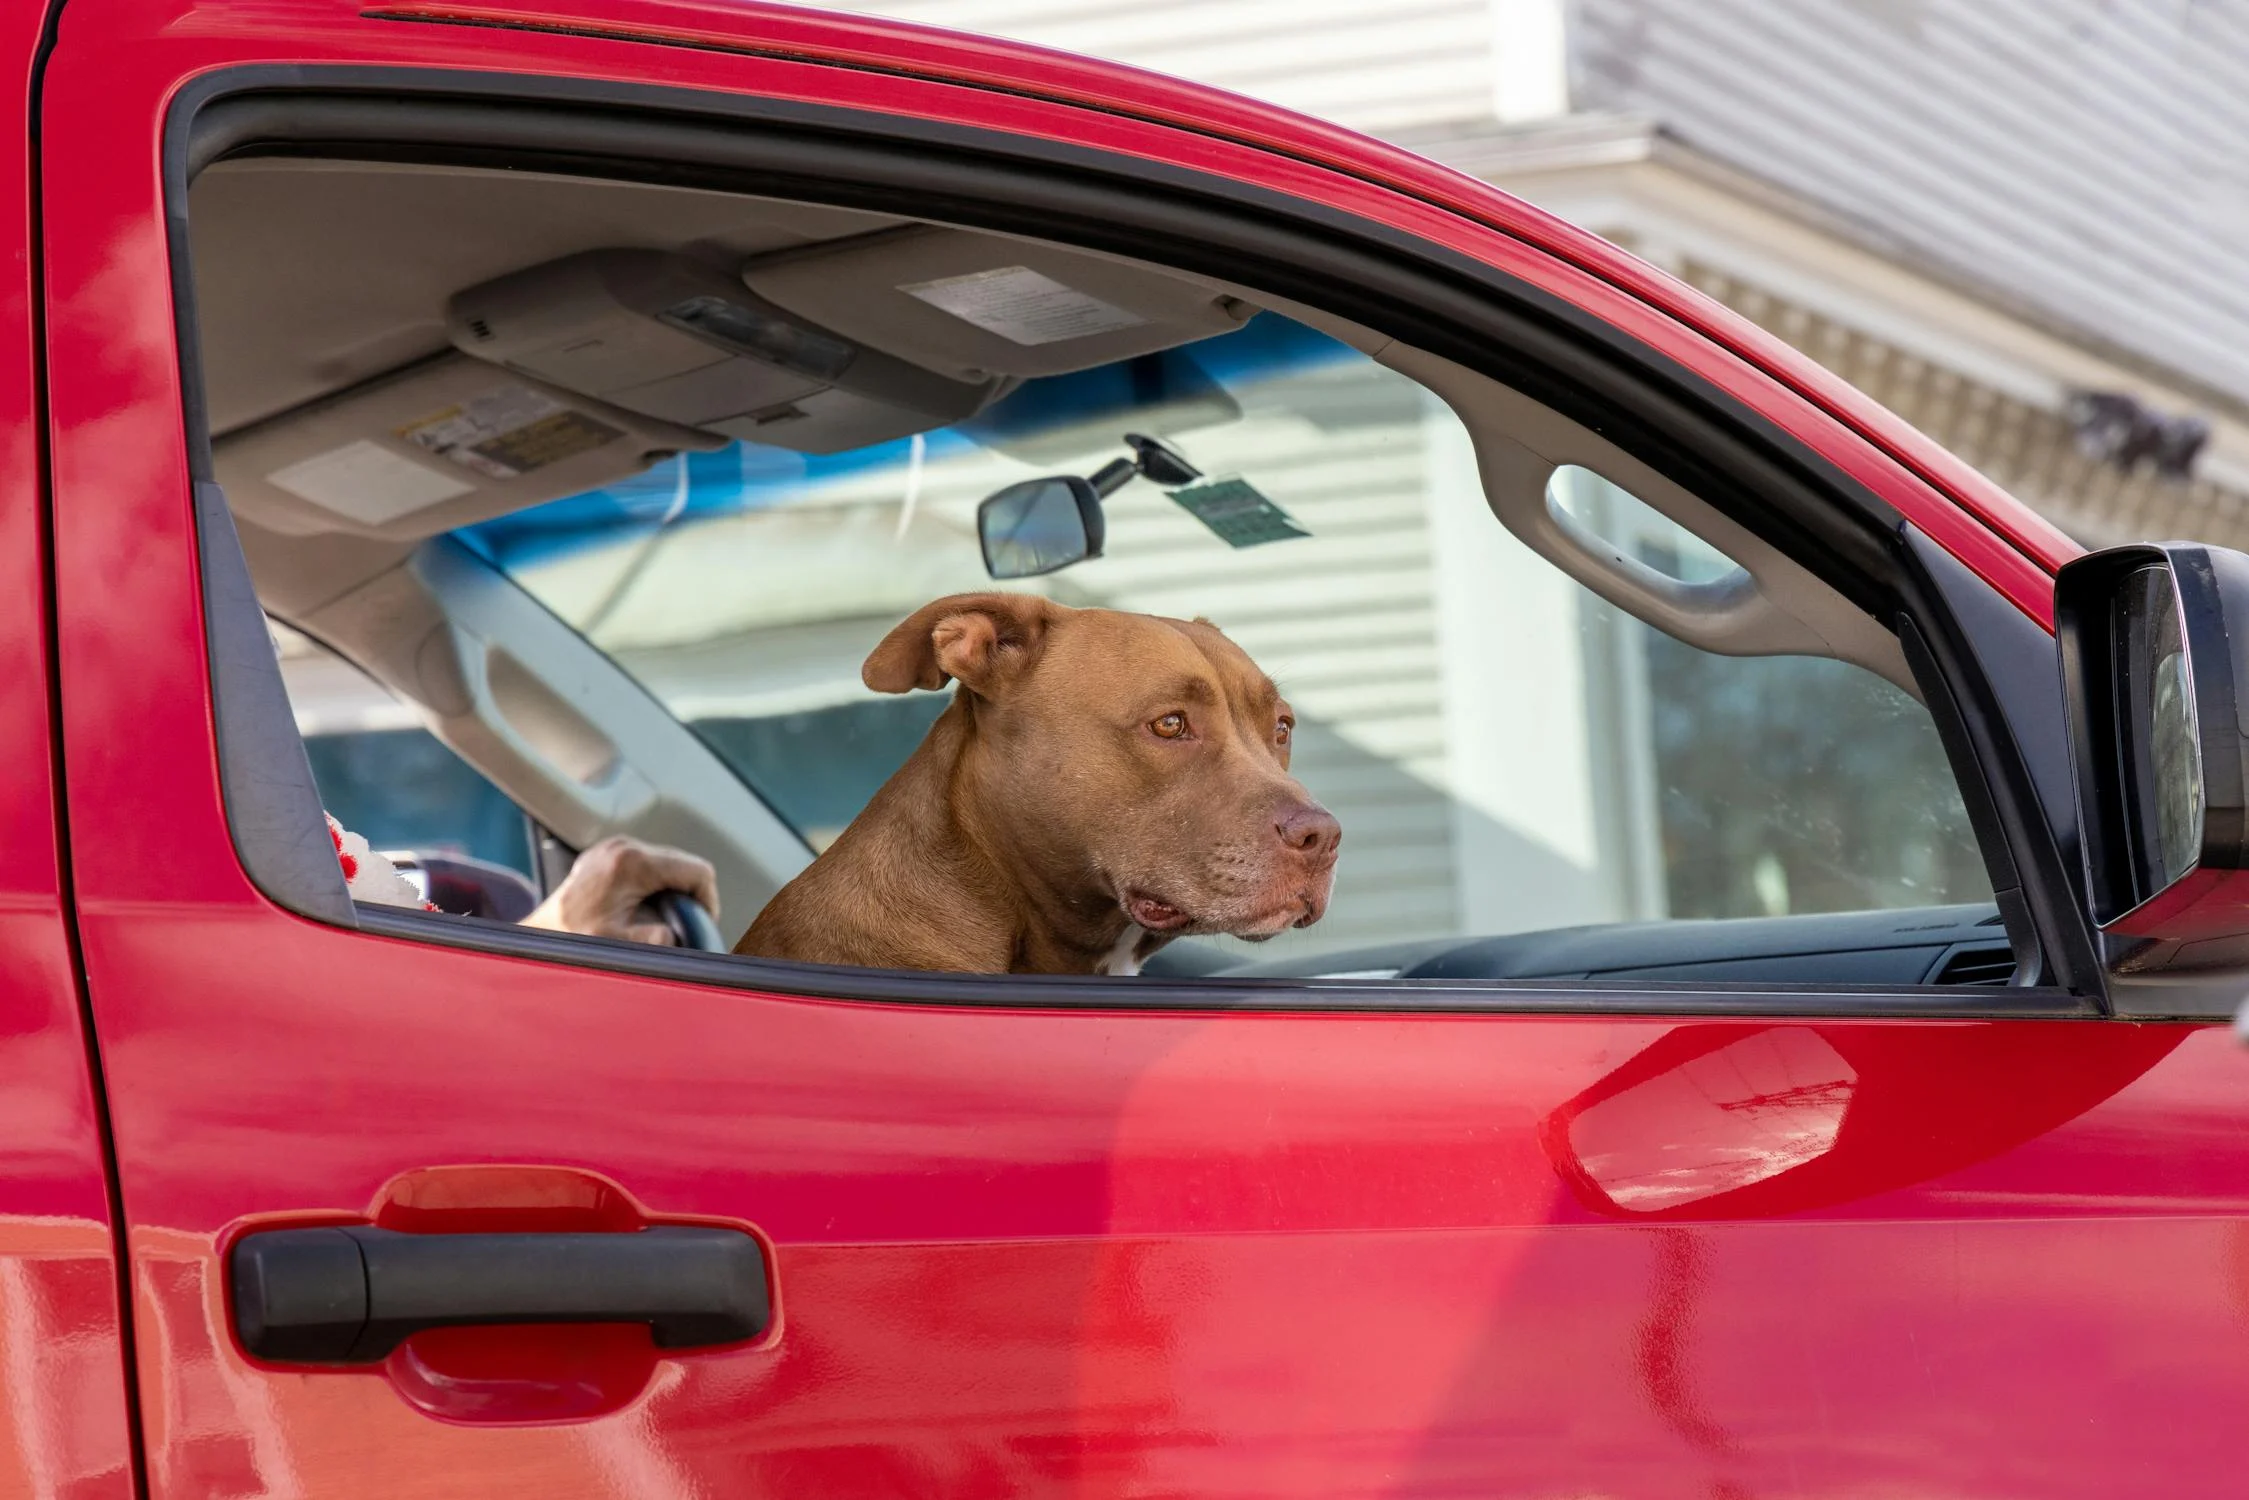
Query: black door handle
[{"x": 348, "y": 1295}]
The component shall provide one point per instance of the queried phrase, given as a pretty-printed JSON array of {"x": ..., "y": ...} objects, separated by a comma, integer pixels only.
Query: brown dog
[{"x": 1102, "y": 783}]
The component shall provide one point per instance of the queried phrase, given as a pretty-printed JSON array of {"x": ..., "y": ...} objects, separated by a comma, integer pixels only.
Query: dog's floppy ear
[{"x": 982, "y": 639}]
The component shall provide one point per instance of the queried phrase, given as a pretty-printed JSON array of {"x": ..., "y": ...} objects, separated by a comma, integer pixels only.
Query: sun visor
[
  {"x": 674, "y": 339},
  {"x": 445, "y": 443},
  {"x": 976, "y": 305}
]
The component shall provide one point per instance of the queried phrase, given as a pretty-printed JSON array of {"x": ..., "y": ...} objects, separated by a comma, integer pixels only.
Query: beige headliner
[
  {"x": 311, "y": 276},
  {"x": 284, "y": 323},
  {"x": 322, "y": 291}
]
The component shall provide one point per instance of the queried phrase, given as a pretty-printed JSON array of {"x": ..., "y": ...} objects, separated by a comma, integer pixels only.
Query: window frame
[{"x": 1434, "y": 299}]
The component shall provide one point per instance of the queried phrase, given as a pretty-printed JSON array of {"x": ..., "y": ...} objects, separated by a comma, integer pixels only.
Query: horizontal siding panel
[
  {"x": 1390, "y": 628},
  {"x": 1406, "y": 697},
  {"x": 1348, "y": 665},
  {"x": 2078, "y": 156},
  {"x": 1424, "y": 823},
  {"x": 1372, "y": 68},
  {"x": 1104, "y": 28},
  {"x": 1347, "y": 770},
  {"x": 1378, "y": 911},
  {"x": 1281, "y": 597},
  {"x": 1386, "y": 861},
  {"x": 1236, "y": 45},
  {"x": 1389, "y": 805},
  {"x": 1218, "y": 571},
  {"x": 1397, "y": 740}
]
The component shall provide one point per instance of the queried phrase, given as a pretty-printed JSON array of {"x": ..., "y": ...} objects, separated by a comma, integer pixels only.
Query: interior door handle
[{"x": 349, "y": 1294}]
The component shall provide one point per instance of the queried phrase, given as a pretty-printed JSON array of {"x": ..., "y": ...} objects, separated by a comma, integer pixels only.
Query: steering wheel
[{"x": 691, "y": 925}]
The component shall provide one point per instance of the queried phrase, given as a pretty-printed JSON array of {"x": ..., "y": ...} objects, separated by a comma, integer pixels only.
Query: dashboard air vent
[{"x": 1979, "y": 966}]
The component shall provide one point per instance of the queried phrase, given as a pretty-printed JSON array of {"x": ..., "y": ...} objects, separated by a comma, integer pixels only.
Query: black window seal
[
  {"x": 1996, "y": 695},
  {"x": 767, "y": 976},
  {"x": 1397, "y": 284}
]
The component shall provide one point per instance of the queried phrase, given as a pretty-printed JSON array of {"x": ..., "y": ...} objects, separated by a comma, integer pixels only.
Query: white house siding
[
  {"x": 1385, "y": 67},
  {"x": 2073, "y": 163},
  {"x": 2027, "y": 447},
  {"x": 2078, "y": 159}
]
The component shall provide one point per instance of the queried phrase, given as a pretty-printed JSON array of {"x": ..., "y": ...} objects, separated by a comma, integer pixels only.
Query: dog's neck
[
  {"x": 1065, "y": 920},
  {"x": 916, "y": 878}
]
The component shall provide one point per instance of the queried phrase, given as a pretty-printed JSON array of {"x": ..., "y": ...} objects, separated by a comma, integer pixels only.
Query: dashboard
[{"x": 1946, "y": 945}]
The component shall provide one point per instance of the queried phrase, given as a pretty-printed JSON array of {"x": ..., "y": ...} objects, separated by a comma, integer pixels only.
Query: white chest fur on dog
[{"x": 1124, "y": 959}]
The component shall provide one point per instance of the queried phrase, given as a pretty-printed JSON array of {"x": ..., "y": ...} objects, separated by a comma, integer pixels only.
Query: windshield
[
  {"x": 744, "y": 587},
  {"x": 1505, "y": 751}
]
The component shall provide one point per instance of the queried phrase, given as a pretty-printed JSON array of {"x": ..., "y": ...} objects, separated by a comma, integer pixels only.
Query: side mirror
[
  {"x": 2154, "y": 643},
  {"x": 1736, "y": 1120},
  {"x": 1040, "y": 526}
]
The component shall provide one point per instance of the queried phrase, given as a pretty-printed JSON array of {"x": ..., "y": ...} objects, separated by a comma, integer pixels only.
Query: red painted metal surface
[
  {"x": 63, "y": 1428},
  {"x": 1029, "y": 1252}
]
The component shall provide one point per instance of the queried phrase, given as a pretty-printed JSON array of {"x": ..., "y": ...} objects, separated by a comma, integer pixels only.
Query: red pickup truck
[{"x": 1768, "y": 1035}]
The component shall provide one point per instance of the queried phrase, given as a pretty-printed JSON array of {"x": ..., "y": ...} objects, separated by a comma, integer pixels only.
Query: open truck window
[{"x": 612, "y": 487}]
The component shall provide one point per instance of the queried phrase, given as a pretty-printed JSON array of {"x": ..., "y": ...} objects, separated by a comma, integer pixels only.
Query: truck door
[{"x": 1678, "y": 1230}]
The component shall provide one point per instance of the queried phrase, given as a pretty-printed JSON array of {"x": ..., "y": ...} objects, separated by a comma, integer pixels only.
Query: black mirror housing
[{"x": 2154, "y": 647}]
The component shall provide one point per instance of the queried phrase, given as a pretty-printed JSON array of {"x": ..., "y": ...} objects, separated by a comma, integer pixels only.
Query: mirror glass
[
  {"x": 1036, "y": 527},
  {"x": 2163, "y": 759}
]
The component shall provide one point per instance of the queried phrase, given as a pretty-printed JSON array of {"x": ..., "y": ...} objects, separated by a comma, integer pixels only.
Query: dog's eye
[
  {"x": 1284, "y": 731},
  {"x": 1169, "y": 727}
]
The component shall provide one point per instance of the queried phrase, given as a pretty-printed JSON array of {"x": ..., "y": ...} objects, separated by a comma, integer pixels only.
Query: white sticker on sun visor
[
  {"x": 367, "y": 482},
  {"x": 508, "y": 432},
  {"x": 1022, "y": 305}
]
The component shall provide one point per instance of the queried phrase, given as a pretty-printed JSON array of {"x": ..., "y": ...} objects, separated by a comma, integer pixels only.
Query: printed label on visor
[
  {"x": 367, "y": 482},
  {"x": 1022, "y": 306},
  {"x": 508, "y": 432}
]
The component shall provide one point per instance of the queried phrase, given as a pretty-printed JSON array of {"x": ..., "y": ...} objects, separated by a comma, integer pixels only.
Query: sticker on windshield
[
  {"x": 1239, "y": 515},
  {"x": 508, "y": 432},
  {"x": 1022, "y": 306}
]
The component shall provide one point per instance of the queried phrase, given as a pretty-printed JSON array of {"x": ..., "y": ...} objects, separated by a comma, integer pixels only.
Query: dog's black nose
[{"x": 1311, "y": 830}]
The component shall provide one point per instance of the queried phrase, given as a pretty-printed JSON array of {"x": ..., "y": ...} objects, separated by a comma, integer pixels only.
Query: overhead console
[
  {"x": 580, "y": 371},
  {"x": 674, "y": 339},
  {"x": 446, "y": 442},
  {"x": 976, "y": 305}
]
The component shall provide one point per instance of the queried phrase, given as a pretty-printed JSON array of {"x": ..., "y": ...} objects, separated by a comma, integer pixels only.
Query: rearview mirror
[
  {"x": 1039, "y": 526},
  {"x": 2154, "y": 643},
  {"x": 1044, "y": 525}
]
